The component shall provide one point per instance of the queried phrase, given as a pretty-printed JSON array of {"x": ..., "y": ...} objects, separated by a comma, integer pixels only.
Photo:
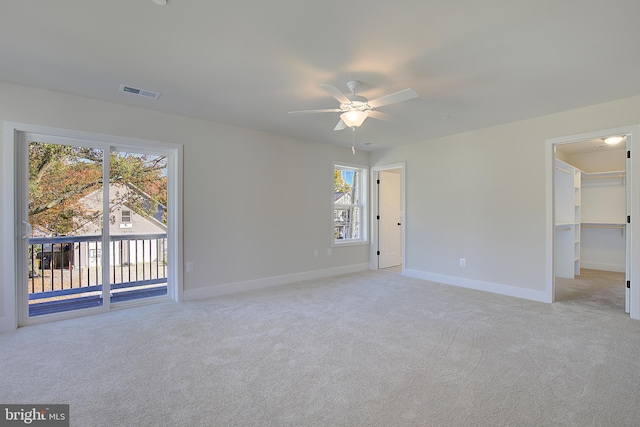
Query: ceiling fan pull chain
[{"x": 353, "y": 139}]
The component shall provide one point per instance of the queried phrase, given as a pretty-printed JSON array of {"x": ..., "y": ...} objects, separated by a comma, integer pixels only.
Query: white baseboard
[
  {"x": 7, "y": 323},
  {"x": 268, "y": 282},
  {"x": 603, "y": 266},
  {"x": 479, "y": 285}
]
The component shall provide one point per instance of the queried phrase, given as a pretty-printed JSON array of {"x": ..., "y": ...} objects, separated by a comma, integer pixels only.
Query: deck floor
[{"x": 89, "y": 301}]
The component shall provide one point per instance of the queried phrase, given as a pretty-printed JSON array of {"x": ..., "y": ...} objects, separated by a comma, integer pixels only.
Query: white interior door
[{"x": 390, "y": 223}]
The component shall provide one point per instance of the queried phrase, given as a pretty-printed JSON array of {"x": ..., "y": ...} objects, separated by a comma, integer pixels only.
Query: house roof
[
  {"x": 93, "y": 200},
  {"x": 338, "y": 195},
  {"x": 474, "y": 64}
]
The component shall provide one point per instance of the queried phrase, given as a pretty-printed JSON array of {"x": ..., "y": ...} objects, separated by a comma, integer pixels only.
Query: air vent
[{"x": 141, "y": 92}]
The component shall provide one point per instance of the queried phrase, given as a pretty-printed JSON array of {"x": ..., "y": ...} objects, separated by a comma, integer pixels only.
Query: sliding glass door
[
  {"x": 94, "y": 226},
  {"x": 137, "y": 226}
]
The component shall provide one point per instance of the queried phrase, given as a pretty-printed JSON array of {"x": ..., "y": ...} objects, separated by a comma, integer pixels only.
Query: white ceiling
[{"x": 248, "y": 63}]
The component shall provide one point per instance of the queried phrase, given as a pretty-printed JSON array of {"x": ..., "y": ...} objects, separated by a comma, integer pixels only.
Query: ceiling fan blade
[
  {"x": 403, "y": 95},
  {"x": 341, "y": 125},
  {"x": 333, "y": 91},
  {"x": 326, "y": 110},
  {"x": 382, "y": 116}
]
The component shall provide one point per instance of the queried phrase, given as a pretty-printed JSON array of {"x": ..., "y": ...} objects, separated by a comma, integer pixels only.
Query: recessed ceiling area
[
  {"x": 248, "y": 64},
  {"x": 596, "y": 145}
]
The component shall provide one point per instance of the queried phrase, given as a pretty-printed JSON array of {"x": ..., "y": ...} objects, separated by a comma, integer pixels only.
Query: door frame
[
  {"x": 633, "y": 210},
  {"x": 373, "y": 253},
  {"x": 11, "y": 227}
]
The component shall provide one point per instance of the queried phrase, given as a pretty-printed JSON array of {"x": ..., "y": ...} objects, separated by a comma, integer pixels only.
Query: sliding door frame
[{"x": 12, "y": 229}]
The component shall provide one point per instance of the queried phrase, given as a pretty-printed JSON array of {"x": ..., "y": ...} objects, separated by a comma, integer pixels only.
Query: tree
[
  {"x": 339, "y": 186},
  {"x": 60, "y": 176}
]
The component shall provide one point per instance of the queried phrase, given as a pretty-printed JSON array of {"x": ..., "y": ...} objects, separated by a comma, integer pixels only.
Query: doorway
[
  {"x": 592, "y": 202},
  {"x": 388, "y": 218},
  {"x": 98, "y": 223}
]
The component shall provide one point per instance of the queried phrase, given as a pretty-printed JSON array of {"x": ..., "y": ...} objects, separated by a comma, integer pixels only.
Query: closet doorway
[{"x": 590, "y": 222}]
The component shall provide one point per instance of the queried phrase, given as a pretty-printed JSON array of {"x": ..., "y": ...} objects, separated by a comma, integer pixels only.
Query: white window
[
  {"x": 349, "y": 204},
  {"x": 125, "y": 216}
]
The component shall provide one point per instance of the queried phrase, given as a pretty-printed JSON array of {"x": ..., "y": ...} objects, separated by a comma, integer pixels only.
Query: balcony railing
[{"x": 65, "y": 273}]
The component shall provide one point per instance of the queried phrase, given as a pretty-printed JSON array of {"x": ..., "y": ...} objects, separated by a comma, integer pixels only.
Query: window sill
[{"x": 349, "y": 242}]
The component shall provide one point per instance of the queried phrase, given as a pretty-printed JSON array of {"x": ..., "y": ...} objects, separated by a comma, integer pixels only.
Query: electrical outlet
[
  {"x": 189, "y": 267},
  {"x": 463, "y": 262},
  {"x": 315, "y": 252},
  {"x": 329, "y": 252}
]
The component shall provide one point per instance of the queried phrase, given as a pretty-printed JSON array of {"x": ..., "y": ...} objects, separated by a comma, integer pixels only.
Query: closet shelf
[{"x": 568, "y": 202}]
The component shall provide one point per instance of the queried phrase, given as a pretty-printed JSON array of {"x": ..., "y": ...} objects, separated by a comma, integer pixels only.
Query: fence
[{"x": 66, "y": 272}]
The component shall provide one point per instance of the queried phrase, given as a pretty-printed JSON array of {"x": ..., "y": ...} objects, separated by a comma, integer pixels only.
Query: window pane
[
  {"x": 348, "y": 212},
  {"x": 355, "y": 187},
  {"x": 341, "y": 223},
  {"x": 64, "y": 246},
  {"x": 355, "y": 223}
]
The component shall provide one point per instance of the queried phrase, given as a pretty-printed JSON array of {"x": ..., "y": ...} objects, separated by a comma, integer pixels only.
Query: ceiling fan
[{"x": 355, "y": 109}]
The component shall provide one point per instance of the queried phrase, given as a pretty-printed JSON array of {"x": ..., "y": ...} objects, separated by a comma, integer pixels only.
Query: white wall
[
  {"x": 481, "y": 195},
  {"x": 256, "y": 205}
]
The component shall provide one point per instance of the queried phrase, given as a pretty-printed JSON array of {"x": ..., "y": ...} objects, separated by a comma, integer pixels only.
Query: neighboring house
[
  {"x": 340, "y": 198},
  {"x": 123, "y": 221},
  {"x": 341, "y": 217}
]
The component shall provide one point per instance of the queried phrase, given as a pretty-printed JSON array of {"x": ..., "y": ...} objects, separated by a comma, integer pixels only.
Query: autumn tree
[
  {"x": 339, "y": 186},
  {"x": 60, "y": 176}
]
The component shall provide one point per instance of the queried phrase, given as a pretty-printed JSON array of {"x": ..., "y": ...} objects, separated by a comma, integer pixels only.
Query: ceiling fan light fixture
[
  {"x": 613, "y": 140},
  {"x": 354, "y": 118}
]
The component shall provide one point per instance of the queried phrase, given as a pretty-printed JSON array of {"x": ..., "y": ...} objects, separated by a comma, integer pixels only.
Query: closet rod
[
  {"x": 621, "y": 227},
  {"x": 563, "y": 170},
  {"x": 603, "y": 177}
]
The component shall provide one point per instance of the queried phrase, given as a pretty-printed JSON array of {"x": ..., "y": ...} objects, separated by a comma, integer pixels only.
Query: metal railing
[{"x": 69, "y": 268}]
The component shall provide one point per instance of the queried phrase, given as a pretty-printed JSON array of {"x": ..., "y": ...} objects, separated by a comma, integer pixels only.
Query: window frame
[{"x": 363, "y": 239}]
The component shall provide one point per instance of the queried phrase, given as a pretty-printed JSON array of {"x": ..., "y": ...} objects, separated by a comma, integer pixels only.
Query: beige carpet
[
  {"x": 368, "y": 349},
  {"x": 593, "y": 288}
]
